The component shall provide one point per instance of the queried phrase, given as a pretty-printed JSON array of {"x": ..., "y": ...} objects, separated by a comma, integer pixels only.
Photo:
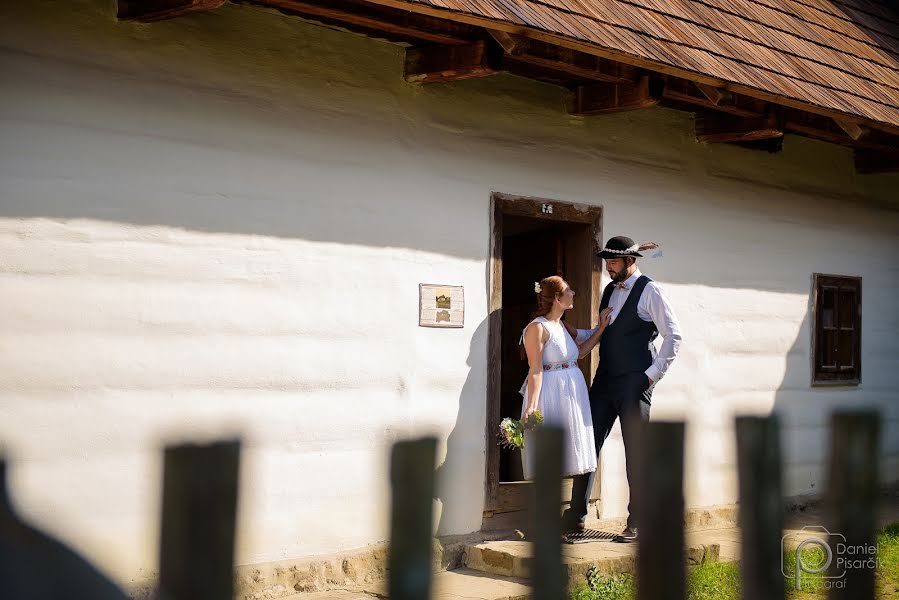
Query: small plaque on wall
[{"x": 441, "y": 305}]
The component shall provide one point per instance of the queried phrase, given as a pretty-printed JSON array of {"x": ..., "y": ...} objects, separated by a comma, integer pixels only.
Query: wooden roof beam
[
  {"x": 825, "y": 135},
  {"x": 565, "y": 60},
  {"x": 713, "y": 127},
  {"x": 829, "y": 130},
  {"x": 147, "y": 11},
  {"x": 852, "y": 128},
  {"x": 713, "y": 94},
  {"x": 370, "y": 19},
  {"x": 507, "y": 41},
  {"x": 603, "y": 98},
  {"x": 699, "y": 95},
  {"x": 439, "y": 64}
]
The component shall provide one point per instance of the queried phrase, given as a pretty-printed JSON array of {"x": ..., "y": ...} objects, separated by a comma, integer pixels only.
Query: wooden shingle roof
[
  {"x": 751, "y": 70},
  {"x": 833, "y": 57}
]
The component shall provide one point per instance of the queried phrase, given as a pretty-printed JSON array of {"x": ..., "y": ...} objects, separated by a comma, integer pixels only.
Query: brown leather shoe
[{"x": 627, "y": 535}]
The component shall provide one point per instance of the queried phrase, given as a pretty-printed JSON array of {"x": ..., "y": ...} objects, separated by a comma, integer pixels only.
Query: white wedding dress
[{"x": 564, "y": 401}]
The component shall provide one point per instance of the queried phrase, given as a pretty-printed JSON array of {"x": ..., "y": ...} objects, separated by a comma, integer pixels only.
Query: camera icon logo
[{"x": 811, "y": 536}]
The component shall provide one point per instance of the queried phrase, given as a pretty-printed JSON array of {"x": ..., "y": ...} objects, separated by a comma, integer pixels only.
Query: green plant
[
  {"x": 617, "y": 587},
  {"x": 721, "y": 581},
  {"x": 714, "y": 581},
  {"x": 888, "y": 553}
]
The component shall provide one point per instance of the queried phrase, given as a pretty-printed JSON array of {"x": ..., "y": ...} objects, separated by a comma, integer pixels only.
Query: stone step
[
  {"x": 513, "y": 558},
  {"x": 330, "y": 595},
  {"x": 461, "y": 584},
  {"x": 465, "y": 584},
  {"x": 695, "y": 519},
  {"x": 496, "y": 570}
]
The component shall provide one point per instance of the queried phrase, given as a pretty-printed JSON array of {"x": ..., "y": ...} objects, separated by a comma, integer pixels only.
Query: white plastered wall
[{"x": 217, "y": 225}]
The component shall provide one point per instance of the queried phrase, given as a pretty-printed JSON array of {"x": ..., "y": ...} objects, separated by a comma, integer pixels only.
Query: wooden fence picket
[
  {"x": 412, "y": 493},
  {"x": 548, "y": 575},
  {"x": 851, "y": 498},
  {"x": 661, "y": 568},
  {"x": 199, "y": 507},
  {"x": 761, "y": 514}
]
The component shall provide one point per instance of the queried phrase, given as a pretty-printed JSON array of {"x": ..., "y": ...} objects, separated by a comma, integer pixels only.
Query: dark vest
[{"x": 626, "y": 345}]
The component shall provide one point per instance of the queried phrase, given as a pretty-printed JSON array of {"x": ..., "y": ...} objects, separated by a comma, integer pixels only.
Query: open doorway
[{"x": 530, "y": 239}]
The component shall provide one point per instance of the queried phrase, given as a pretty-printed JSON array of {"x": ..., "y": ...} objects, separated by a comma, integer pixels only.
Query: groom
[{"x": 628, "y": 368}]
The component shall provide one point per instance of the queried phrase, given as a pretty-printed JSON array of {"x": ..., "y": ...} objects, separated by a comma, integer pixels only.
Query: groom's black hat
[{"x": 619, "y": 247}]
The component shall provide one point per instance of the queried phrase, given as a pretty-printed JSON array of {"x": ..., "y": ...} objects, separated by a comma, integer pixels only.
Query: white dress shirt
[{"x": 653, "y": 306}]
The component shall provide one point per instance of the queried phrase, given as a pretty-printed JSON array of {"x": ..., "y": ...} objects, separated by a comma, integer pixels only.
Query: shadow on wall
[
  {"x": 460, "y": 479},
  {"x": 35, "y": 565},
  {"x": 294, "y": 159},
  {"x": 805, "y": 412}
]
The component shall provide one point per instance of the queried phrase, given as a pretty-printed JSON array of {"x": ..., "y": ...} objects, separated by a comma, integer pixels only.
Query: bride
[{"x": 555, "y": 385}]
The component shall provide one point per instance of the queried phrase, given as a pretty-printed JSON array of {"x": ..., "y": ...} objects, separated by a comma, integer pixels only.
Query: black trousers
[{"x": 626, "y": 396}]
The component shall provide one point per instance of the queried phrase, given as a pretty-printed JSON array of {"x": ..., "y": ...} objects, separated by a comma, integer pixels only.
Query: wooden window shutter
[{"x": 837, "y": 333}]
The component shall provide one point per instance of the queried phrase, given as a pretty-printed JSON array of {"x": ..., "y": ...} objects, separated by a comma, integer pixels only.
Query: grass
[
  {"x": 888, "y": 552},
  {"x": 714, "y": 581},
  {"x": 721, "y": 581},
  {"x": 814, "y": 585},
  {"x": 617, "y": 587}
]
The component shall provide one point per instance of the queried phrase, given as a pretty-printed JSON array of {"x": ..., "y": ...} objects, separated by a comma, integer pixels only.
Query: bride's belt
[{"x": 568, "y": 364}]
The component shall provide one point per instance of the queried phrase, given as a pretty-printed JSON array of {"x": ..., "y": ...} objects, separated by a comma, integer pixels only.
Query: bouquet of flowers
[{"x": 511, "y": 431}]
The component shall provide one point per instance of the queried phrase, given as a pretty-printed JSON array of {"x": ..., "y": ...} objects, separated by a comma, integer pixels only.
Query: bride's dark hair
[{"x": 550, "y": 289}]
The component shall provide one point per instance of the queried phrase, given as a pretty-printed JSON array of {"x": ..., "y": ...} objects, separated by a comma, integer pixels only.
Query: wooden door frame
[{"x": 540, "y": 208}]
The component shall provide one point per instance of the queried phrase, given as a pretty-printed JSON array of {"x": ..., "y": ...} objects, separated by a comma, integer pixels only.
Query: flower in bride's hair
[{"x": 537, "y": 288}]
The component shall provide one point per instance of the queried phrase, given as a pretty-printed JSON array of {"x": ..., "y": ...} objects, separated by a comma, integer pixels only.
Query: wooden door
[{"x": 530, "y": 239}]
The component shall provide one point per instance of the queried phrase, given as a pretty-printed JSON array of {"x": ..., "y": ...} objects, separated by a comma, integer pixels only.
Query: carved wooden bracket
[
  {"x": 603, "y": 98},
  {"x": 714, "y": 127},
  {"x": 435, "y": 64}
]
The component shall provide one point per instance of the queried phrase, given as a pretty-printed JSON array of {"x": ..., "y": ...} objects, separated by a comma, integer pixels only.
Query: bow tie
[{"x": 623, "y": 286}]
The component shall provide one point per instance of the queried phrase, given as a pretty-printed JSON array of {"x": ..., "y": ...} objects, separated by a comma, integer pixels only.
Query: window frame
[{"x": 822, "y": 375}]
